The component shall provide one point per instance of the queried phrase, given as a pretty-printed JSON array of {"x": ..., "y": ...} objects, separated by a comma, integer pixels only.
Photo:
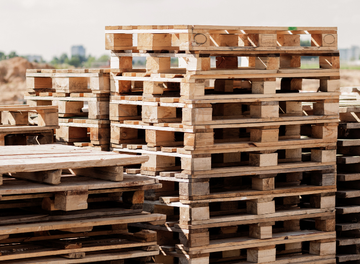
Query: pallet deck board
[{"x": 13, "y": 159}]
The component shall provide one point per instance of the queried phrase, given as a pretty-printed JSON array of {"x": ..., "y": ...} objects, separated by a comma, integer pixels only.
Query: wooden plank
[
  {"x": 57, "y": 225},
  {"x": 251, "y": 170},
  {"x": 348, "y": 209},
  {"x": 52, "y": 252},
  {"x": 89, "y": 258},
  {"x": 348, "y": 193},
  {"x": 13, "y": 159},
  {"x": 348, "y": 142},
  {"x": 245, "y": 195},
  {"x": 280, "y": 215},
  {"x": 348, "y": 176},
  {"x": 74, "y": 183},
  {"x": 278, "y": 238}
]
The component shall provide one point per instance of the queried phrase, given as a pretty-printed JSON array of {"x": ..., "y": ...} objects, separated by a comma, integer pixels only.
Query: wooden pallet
[
  {"x": 82, "y": 130},
  {"x": 90, "y": 105},
  {"x": 75, "y": 193},
  {"x": 240, "y": 157},
  {"x": 219, "y": 83},
  {"x": 240, "y": 137},
  {"x": 26, "y": 125},
  {"x": 18, "y": 117},
  {"x": 221, "y": 39},
  {"x": 226, "y": 112},
  {"x": 190, "y": 63},
  {"x": 190, "y": 190},
  {"x": 236, "y": 164},
  {"x": 75, "y": 234},
  {"x": 67, "y": 81},
  {"x": 294, "y": 203},
  {"x": 254, "y": 243},
  {"x": 45, "y": 163}
]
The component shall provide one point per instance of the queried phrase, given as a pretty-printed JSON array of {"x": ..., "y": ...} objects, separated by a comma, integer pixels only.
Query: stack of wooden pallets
[
  {"x": 247, "y": 174},
  {"x": 82, "y": 96},
  {"x": 348, "y": 194},
  {"x": 23, "y": 125},
  {"x": 63, "y": 204}
]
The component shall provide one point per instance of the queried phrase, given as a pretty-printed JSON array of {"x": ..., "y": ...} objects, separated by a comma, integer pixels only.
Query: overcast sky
[{"x": 50, "y": 27}]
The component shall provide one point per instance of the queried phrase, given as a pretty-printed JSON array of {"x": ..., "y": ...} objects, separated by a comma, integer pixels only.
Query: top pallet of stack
[
  {"x": 63, "y": 81},
  {"x": 223, "y": 39}
]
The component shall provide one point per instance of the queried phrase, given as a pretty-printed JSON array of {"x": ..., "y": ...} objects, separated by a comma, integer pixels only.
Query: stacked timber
[
  {"x": 24, "y": 125},
  {"x": 63, "y": 204},
  {"x": 82, "y": 96},
  {"x": 348, "y": 180},
  {"x": 247, "y": 174}
]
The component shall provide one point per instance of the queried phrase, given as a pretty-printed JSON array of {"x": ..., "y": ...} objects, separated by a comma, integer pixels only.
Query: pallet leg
[
  {"x": 194, "y": 213},
  {"x": 194, "y": 238},
  {"x": 133, "y": 200},
  {"x": 322, "y": 248},
  {"x": 50, "y": 177},
  {"x": 261, "y": 231},
  {"x": 326, "y": 224},
  {"x": 198, "y": 259},
  {"x": 190, "y": 90},
  {"x": 71, "y": 200},
  {"x": 264, "y": 110},
  {"x": 323, "y": 200},
  {"x": 112, "y": 173},
  {"x": 260, "y": 207},
  {"x": 263, "y": 159},
  {"x": 260, "y": 255},
  {"x": 264, "y": 134},
  {"x": 189, "y": 190},
  {"x": 196, "y": 163},
  {"x": 263, "y": 183},
  {"x": 263, "y": 87}
]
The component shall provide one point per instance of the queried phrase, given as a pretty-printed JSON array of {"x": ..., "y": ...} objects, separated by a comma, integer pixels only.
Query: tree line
[{"x": 64, "y": 61}]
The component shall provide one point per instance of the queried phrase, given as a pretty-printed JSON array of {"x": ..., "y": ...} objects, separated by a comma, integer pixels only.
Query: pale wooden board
[
  {"x": 12, "y": 187},
  {"x": 252, "y": 170},
  {"x": 54, "y": 251},
  {"x": 245, "y": 242},
  {"x": 25, "y": 108},
  {"x": 78, "y": 223},
  {"x": 245, "y": 195},
  {"x": 52, "y": 157},
  {"x": 89, "y": 258},
  {"x": 26, "y": 129},
  {"x": 281, "y": 215}
]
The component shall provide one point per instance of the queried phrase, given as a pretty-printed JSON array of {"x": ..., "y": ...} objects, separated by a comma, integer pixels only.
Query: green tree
[
  {"x": 89, "y": 61},
  {"x": 2, "y": 56},
  {"x": 305, "y": 43},
  {"x": 103, "y": 58},
  {"x": 55, "y": 60},
  {"x": 12, "y": 55},
  {"x": 64, "y": 58},
  {"x": 75, "y": 61}
]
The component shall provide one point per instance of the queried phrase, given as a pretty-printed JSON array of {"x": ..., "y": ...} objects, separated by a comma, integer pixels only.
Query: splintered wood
[
  {"x": 247, "y": 166},
  {"x": 63, "y": 204}
]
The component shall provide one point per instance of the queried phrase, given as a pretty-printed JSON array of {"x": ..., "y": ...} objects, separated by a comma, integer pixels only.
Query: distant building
[
  {"x": 78, "y": 51},
  {"x": 350, "y": 54},
  {"x": 345, "y": 54},
  {"x": 355, "y": 53},
  {"x": 34, "y": 58}
]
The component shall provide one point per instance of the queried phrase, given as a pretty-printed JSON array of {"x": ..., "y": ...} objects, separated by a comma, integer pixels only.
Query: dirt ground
[{"x": 13, "y": 79}]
